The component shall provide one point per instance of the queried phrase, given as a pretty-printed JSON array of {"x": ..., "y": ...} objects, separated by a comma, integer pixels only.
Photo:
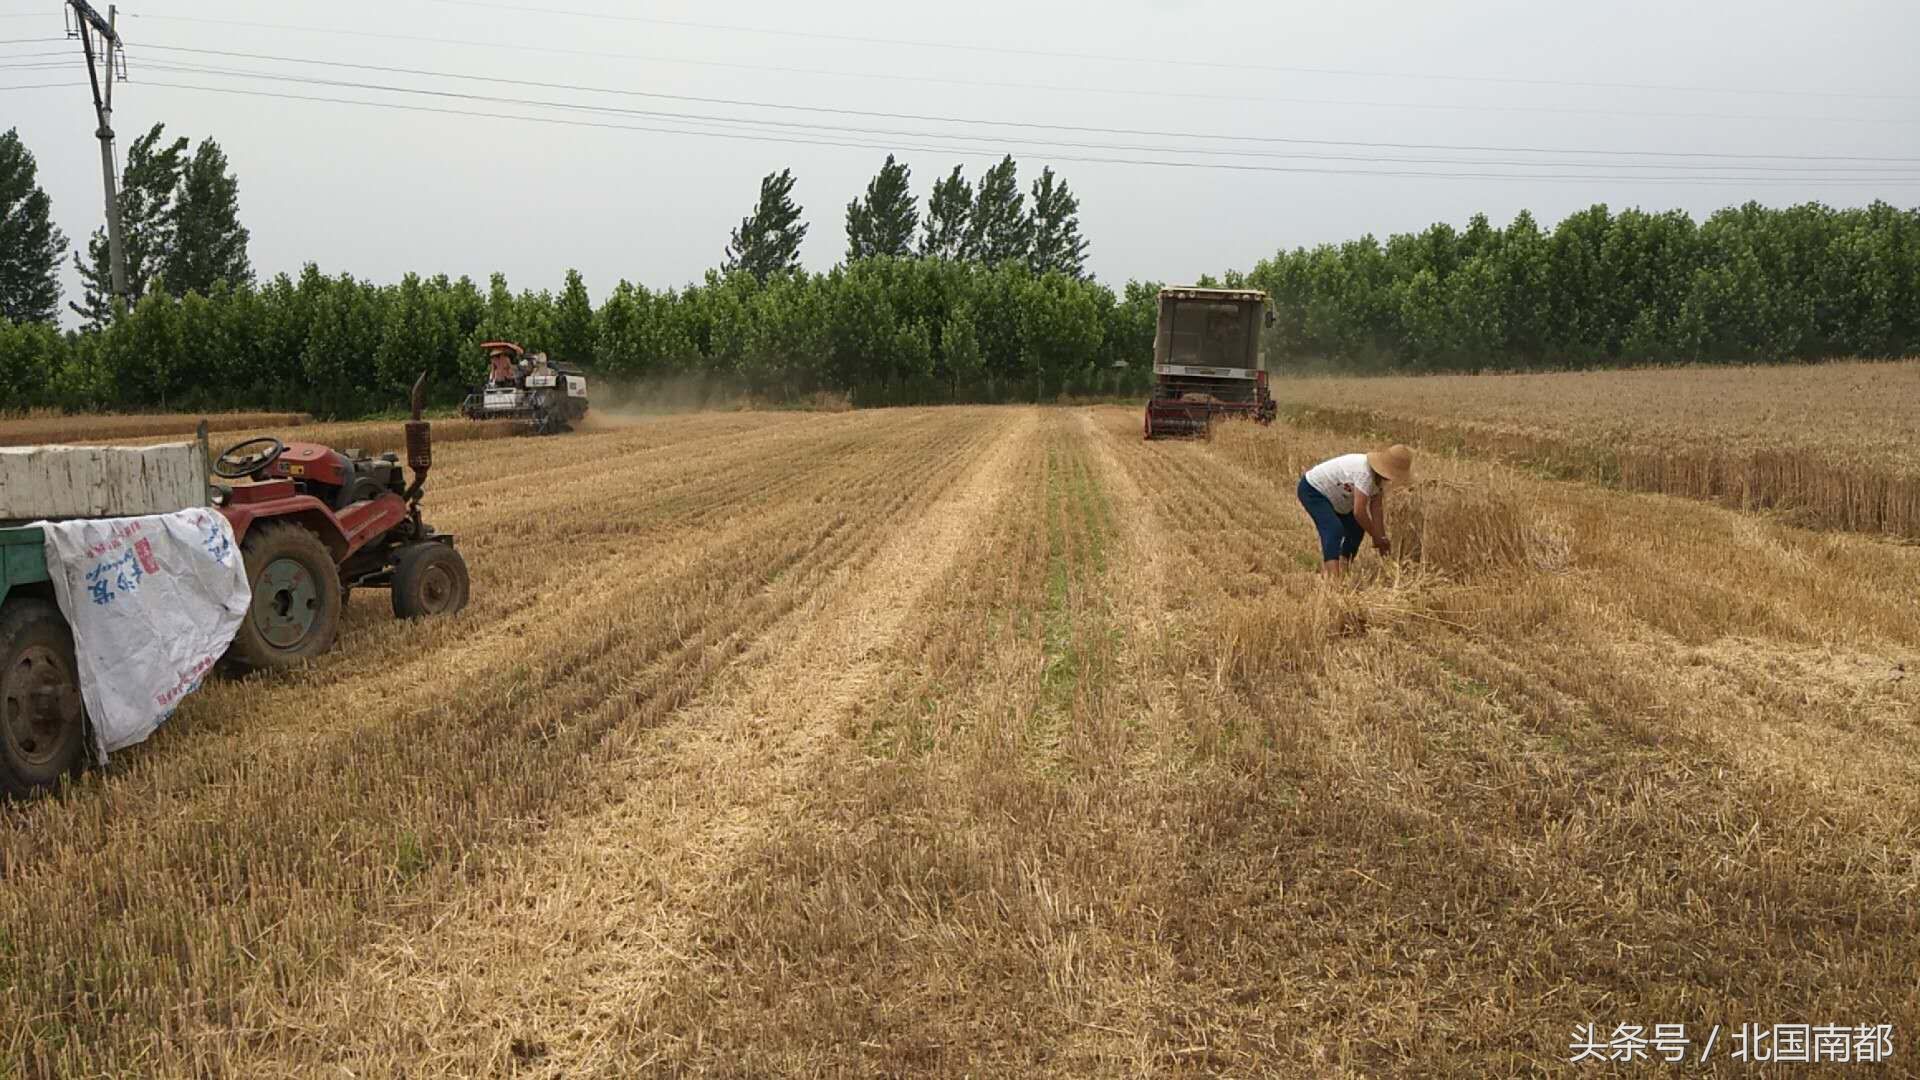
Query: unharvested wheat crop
[
  {"x": 1000, "y": 742},
  {"x": 1826, "y": 444},
  {"x": 47, "y": 426}
]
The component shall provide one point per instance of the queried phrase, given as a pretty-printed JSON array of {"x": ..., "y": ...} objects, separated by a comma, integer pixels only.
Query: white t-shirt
[{"x": 1338, "y": 478}]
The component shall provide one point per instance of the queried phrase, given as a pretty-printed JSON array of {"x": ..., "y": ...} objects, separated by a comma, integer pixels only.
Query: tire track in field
[
  {"x": 1117, "y": 1014},
  {"x": 1145, "y": 560},
  {"x": 545, "y": 966}
]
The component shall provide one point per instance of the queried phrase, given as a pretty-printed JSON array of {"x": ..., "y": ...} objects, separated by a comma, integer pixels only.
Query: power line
[
  {"x": 914, "y": 117},
  {"x": 977, "y": 152},
  {"x": 1341, "y": 102},
  {"x": 1158, "y": 94},
  {"x": 1291, "y": 141},
  {"x": 29, "y": 40},
  {"x": 1046, "y": 87},
  {"x": 37, "y": 86},
  {"x": 996, "y": 138},
  {"x": 1161, "y": 60}
]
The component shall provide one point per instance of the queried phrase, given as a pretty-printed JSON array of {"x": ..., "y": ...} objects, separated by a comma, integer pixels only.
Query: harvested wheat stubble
[
  {"x": 1000, "y": 742},
  {"x": 574, "y": 941},
  {"x": 637, "y": 648}
]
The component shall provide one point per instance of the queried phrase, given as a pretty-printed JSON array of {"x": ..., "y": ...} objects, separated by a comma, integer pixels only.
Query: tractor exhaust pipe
[{"x": 419, "y": 441}]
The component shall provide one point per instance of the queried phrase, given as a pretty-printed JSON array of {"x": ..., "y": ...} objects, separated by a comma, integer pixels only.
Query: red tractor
[{"x": 316, "y": 523}]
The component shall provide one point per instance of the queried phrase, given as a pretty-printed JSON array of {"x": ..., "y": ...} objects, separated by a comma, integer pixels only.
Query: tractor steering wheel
[{"x": 233, "y": 465}]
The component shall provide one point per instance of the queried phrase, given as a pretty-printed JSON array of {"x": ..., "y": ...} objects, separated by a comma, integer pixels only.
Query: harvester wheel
[
  {"x": 42, "y": 720},
  {"x": 297, "y": 598},
  {"x": 429, "y": 579},
  {"x": 1148, "y": 423}
]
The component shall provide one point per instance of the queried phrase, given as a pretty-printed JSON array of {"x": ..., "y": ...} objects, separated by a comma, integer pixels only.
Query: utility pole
[{"x": 87, "y": 25}]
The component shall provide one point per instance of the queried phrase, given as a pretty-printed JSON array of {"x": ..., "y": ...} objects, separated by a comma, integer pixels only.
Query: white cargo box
[{"x": 100, "y": 481}]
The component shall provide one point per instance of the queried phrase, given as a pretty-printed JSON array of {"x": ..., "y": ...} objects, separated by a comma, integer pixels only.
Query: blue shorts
[{"x": 1340, "y": 533}]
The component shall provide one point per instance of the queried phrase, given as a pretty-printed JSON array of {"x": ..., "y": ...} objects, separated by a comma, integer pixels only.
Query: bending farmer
[{"x": 1346, "y": 495}]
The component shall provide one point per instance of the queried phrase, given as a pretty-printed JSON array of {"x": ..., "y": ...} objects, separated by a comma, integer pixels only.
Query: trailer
[
  {"x": 1209, "y": 360},
  {"x": 42, "y": 717}
]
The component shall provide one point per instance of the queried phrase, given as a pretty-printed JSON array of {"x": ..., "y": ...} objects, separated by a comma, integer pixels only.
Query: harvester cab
[
  {"x": 526, "y": 388},
  {"x": 1209, "y": 360}
]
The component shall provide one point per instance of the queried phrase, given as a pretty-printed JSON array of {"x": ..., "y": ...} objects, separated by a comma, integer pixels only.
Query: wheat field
[
  {"x": 1834, "y": 445},
  {"x": 999, "y": 742},
  {"x": 48, "y": 426}
]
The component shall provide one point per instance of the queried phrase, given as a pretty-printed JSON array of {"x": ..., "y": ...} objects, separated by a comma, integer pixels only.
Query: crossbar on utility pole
[{"x": 91, "y": 24}]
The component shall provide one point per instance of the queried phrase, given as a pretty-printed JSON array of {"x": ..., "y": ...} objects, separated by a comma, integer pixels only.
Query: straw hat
[{"x": 1395, "y": 463}]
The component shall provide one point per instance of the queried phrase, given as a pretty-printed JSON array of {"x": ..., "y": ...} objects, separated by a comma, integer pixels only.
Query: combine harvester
[
  {"x": 1209, "y": 360},
  {"x": 547, "y": 397},
  {"x": 310, "y": 524}
]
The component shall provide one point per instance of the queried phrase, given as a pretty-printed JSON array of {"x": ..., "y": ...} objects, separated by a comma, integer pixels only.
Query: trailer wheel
[
  {"x": 295, "y": 611},
  {"x": 429, "y": 579},
  {"x": 42, "y": 719}
]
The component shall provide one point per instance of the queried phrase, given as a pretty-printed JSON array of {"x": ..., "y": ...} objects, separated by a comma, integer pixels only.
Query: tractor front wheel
[
  {"x": 42, "y": 720},
  {"x": 295, "y": 611},
  {"x": 429, "y": 578}
]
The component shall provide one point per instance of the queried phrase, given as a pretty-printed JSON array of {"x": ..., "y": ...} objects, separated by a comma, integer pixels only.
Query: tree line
[
  {"x": 1748, "y": 284},
  {"x": 884, "y": 330},
  {"x": 984, "y": 296}
]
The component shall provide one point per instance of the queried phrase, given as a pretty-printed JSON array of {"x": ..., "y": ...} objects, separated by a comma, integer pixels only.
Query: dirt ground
[{"x": 999, "y": 742}]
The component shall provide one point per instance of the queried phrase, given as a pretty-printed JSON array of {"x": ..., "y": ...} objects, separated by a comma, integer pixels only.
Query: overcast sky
[{"x": 381, "y": 191}]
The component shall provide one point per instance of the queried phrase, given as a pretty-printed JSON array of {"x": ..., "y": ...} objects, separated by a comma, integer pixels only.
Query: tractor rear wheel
[
  {"x": 429, "y": 578},
  {"x": 42, "y": 719},
  {"x": 296, "y": 598}
]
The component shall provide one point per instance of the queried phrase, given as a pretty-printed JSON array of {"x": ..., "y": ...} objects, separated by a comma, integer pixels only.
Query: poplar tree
[
  {"x": 1057, "y": 243},
  {"x": 148, "y": 186},
  {"x": 884, "y": 222},
  {"x": 209, "y": 243},
  {"x": 999, "y": 230},
  {"x": 573, "y": 332},
  {"x": 30, "y": 245},
  {"x": 768, "y": 240},
  {"x": 949, "y": 209}
]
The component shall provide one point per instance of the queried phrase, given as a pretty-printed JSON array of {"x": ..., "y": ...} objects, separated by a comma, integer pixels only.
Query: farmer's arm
[{"x": 1371, "y": 512}]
